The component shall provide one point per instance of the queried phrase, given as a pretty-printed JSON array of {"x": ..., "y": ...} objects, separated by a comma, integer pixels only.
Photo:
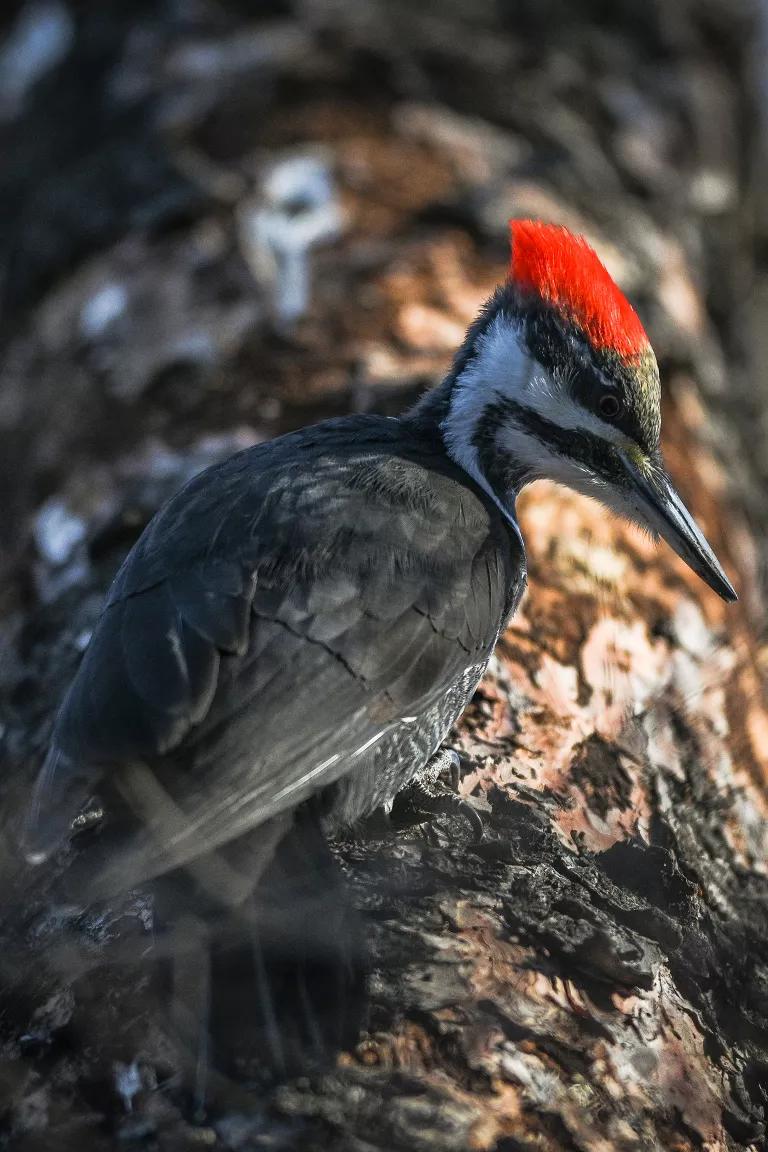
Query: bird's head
[{"x": 557, "y": 379}]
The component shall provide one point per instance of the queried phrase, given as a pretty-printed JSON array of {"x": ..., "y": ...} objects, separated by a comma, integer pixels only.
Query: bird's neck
[{"x": 467, "y": 410}]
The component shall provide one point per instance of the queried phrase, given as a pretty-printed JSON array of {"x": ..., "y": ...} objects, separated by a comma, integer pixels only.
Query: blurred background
[{"x": 223, "y": 220}]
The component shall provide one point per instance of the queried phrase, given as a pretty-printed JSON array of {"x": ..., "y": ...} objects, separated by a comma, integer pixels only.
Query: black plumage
[{"x": 309, "y": 617}]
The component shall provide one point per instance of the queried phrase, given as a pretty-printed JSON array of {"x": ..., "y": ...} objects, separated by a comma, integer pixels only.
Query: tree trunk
[{"x": 593, "y": 974}]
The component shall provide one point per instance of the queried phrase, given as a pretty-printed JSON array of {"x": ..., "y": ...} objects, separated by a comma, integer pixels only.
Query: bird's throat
[{"x": 467, "y": 411}]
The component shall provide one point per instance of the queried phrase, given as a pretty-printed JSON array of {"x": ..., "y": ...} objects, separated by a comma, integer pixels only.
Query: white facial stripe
[
  {"x": 551, "y": 400},
  {"x": 540, "y": 463},
  {"x": 533, "y": 455}
]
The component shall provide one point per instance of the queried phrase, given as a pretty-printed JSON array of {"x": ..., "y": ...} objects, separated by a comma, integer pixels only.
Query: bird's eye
[{"x": 609, "y": 405}]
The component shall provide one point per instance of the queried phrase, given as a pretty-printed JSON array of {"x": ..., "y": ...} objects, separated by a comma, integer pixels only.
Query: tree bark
[{"x": 593, "y": 974}]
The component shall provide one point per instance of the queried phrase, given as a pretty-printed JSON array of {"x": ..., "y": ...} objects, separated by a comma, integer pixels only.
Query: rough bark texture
[{"x": 594, "y": 974}]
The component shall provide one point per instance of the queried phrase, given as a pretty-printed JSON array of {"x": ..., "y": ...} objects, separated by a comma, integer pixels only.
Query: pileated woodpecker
[{"x": 309, "y": 618}]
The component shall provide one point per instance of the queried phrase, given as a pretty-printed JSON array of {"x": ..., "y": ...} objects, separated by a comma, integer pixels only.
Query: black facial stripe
[
  {"x": 577, "y": 444},
  {"x": 501, "y": 470},
  {"x": 586, "y": 386}
]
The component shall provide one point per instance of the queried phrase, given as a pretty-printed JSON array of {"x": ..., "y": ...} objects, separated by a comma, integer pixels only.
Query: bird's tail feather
[{"x": 265, "y": 953}]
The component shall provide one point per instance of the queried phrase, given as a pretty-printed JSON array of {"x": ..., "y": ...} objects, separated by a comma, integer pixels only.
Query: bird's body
[
  {"x": 295, "y": 633},
  {"x": 310, "y": 617}
]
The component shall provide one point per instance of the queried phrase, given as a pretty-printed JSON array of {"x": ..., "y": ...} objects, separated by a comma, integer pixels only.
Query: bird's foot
[{"x": 434, "y": 792}]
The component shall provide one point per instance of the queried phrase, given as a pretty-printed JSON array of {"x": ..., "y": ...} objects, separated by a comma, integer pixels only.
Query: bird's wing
[{"x": 330, "y": 603}]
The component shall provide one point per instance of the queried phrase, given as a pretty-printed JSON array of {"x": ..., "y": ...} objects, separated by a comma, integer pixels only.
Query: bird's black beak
[{"x": 666, "y": 514}]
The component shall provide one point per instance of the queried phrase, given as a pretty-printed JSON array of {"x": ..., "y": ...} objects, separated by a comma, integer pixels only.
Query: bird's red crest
[{"x": 566, "y": 272}]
